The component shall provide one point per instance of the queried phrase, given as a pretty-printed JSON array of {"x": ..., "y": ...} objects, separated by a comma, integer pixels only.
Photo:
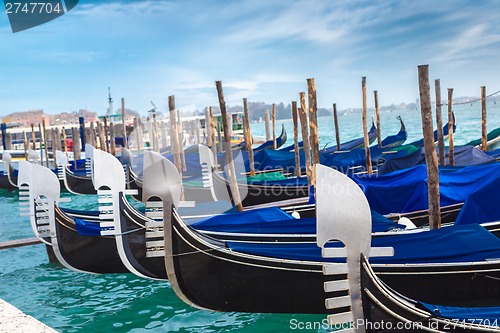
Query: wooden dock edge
[{"x": 13, "y": 320}]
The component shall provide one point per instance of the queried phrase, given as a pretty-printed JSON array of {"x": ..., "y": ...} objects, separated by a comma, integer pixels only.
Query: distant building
[
  {"x": 35, "y": 117},
  {"x": 26, "y": 118},
  {"x": 72, "y": 118}
]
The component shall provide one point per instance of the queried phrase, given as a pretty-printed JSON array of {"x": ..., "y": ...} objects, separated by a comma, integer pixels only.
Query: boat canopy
[
  {"x": 482, "y": 205},
  {"x": 464, "y": 243},
  {"x": 274, "y": 221},
  {"x": 477, "y": 315},
  {"x": 463, "y": 156},
  {"x": 406, "y": 190}
]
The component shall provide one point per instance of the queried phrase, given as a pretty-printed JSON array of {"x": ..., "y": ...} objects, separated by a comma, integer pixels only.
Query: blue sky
[{"x": 260, "y": 49}]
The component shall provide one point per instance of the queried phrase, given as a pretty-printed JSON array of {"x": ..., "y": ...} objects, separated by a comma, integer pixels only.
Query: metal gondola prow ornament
[
  {"x": 159, "y": 170},
  {"x": 62, "y": 164},
  {"x": 208, "y": 168},
  {"x": 343, "y": 214},
  {"x": 41, "y": 189},
  {"x": 8, "y": 169}
]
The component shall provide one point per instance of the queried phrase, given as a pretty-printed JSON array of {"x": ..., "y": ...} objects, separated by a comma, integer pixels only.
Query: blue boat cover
[
  {"x": 280, "y": 140},
  {"x": 464, "y": 243},
  {"x": 406, "y": 190},
  {"x": 87, "y": 228},
  {"x": 355, "y": 143},
  {"x": 482, "y": 205},
  {"x": 477, "y": 315},
  {"x": 275, "y": 221},
  {"x": 395, "y": 140},
  {"x": 463, "y": 156},
  {"x": 292, "y": 146},
  {"x": 494, "y": 153},
  {"x": 206, "y": 208}
]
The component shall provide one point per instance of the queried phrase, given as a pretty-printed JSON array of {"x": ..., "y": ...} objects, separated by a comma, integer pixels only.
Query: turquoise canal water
[{"x": 76, "y": 302}]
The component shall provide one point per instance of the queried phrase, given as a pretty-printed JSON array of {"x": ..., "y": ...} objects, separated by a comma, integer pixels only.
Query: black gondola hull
[
  {"x": 212, "y": 277},
  {"x": 94, "y": 254}
]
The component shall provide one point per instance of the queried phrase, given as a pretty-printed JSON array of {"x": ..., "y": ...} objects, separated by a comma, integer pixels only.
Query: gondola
[
  {"x": 345, "y": 159},
  {"x": 8, "y": 180},
  {"x": 357, "y": 298},
  {"x": 76, "y": 183},
  {"x": 140, "y": 235},
  {"x": 354, "y": 143},
  {"x": 259, "y": 193},
  {"x": 398, "y": 139},
  {"x": 284, "y": 278},
  {"x": 135, "y": 233},
  {"x": 280, "y": 141},
  {"x": 386, "y": 310},
  {"x": 39, "y": 187}
]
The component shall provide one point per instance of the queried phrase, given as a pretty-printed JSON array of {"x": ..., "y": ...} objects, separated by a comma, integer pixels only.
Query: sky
[{"x": 262, "y": 50}]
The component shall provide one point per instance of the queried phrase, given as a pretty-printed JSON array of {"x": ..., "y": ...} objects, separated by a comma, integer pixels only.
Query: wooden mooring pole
[
  {"x": 33, "y": 137},
  {"x": 248, "y": 136},
  {"x": 484, "y": 133},
  {"x": 295, "y": 115},
  {"x": 138, "y": 135},
  {"x": 305, "y": 134},
  {"x": 106, "y": 131},
  {"x": 65, "y": 140},
  {"x": 41, "y": 136},
  {"x": 439, "y": 123},
  {"x": 313, "y": 127},
  {"x": 313, "y": 122},
  {"x": 111, "y": 139},
  {"x": 56, "y": 142},
  {"x": 229, "y": 153},
  {"x": 451, "y": 152},
  {"x": 181, "y": 140},
  {"x": 76, "y": 143},
  {"x": 124, "y": 126},
  {"x": 208, "y": 127},
  {"x": 273, "y": 117},
  {"x": 266, "y": 122},
  {"x": 377, "y": 119},
  {"x": 336, "y": 124},
  {"x": 174, "y": 134},
  {"x": 92, "y": 139},
  {"x": 212, "y": 134},
  {"x": 365, "y": 129},
  {"x": 156, "y": 146},
  {"x": 219, "y": 137},
  {"x": 100, "y": 132},
  {"x": 45, "y": 143},
  {"x": 429, "y": 147},
  {"x": 26, "y": 146}
]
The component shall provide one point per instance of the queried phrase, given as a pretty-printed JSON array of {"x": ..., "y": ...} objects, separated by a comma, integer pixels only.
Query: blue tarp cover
[
  {"x": 477, "y": 315},
  {"x": 232, "y": 221},
  {"x": 275, "y": 221},
  {"x": 463, "y": 156},
  {"x": 465, "y": 243},
  {"x": 406, "y": 190},
  {"x": 88, "y": 228},
  {"x": 482, "y": 205},
  {"x": 355, "y": 143},
  {"x": 395, "y": 140}
]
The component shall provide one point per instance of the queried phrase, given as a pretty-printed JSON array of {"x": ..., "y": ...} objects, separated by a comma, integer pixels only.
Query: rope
[
  {"x": 194, "y": 252},
  {"x": 473, "y": 101}
]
